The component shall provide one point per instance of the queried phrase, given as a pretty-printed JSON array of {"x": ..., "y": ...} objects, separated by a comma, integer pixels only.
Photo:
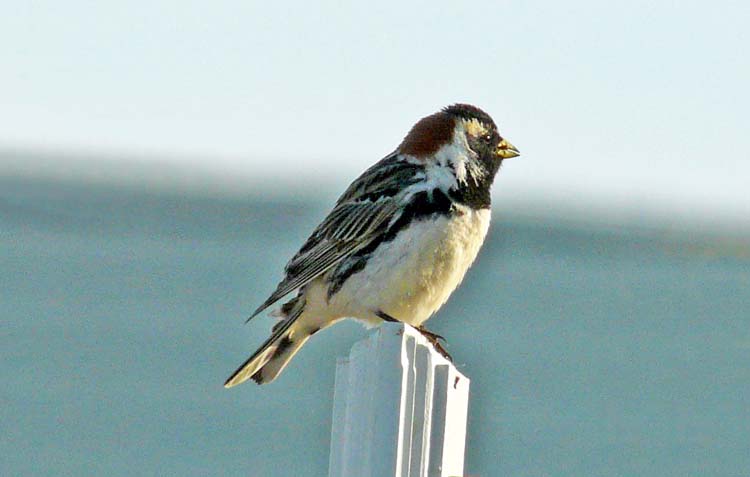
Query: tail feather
[
  {"x": 278, "y": 361},
  {"x": 274, "y": 354}
]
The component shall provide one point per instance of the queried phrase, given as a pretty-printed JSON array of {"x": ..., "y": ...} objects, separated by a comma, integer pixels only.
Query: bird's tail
[{"x": 273, "y": 355}]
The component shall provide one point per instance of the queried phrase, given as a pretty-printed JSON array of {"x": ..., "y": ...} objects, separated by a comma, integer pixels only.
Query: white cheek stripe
[{"x": 461, "y": 157}]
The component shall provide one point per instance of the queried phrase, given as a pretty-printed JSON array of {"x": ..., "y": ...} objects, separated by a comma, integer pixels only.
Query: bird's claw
[
  {"x": 430, "y": 335},
  {"x": 434, "y": 339}
]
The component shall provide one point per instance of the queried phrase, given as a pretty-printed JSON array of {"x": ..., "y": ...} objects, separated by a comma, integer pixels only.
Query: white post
[{"x": 399, "y": 409}]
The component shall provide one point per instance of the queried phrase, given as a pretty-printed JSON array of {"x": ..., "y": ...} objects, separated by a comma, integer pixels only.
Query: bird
[{"x": 396, "y": 244}]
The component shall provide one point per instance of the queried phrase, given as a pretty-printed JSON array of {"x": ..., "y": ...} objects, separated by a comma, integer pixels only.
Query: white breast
[{"x": 411, "y": 276}]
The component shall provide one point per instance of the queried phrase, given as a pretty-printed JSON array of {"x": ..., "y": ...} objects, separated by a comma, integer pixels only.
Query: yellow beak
[{"x": 506, "y": 150}]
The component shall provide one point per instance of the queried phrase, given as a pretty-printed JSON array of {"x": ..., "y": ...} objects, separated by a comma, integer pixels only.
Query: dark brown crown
[
  {"x": 429, "y": 135},
  {"x": 436, "y": 130}
]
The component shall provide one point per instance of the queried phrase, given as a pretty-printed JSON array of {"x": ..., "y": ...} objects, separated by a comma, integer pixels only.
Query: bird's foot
[
  {"x": 435, "y": 339},
  {"x": 430, "y": 335}
]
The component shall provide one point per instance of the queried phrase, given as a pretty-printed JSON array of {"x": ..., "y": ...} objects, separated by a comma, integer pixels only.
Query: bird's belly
[{"x": 410, "y": 277}]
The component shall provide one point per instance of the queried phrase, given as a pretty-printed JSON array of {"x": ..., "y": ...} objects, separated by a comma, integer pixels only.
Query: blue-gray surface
[{"x": 591, "y": 352}]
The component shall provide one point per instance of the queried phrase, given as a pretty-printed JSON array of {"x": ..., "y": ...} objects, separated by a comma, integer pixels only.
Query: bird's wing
[{"x": 360, "y": 215}]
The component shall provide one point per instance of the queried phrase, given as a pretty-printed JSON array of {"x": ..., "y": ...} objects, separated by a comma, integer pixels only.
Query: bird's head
[
  {"x": 480, "y": 132},
  {"x": 460, "y": 133}
]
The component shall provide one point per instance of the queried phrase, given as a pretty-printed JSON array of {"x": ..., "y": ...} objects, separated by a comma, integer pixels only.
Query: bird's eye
[{"x": 487, "y": 137}]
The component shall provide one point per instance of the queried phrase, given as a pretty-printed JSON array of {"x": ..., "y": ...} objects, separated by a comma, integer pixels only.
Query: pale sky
[{"x": 634, "y": 104}]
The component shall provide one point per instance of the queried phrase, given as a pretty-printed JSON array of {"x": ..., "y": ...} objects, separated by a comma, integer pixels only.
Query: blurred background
[{"x": 161, "y": 161}]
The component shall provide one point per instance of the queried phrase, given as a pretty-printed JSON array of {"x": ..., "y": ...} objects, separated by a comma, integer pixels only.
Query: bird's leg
[
  {"x": 435, "y": 338},
  {"x": 386, "y": 317}
]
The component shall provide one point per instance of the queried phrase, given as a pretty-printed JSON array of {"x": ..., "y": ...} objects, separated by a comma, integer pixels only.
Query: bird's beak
[{"x": 506, "y": 150}]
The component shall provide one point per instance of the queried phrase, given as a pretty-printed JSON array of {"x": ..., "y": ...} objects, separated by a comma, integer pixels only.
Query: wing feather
[{"x": 360, "y": 215}]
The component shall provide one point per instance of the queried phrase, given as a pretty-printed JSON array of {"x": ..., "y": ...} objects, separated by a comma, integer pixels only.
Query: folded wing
[{"x": 361, "y": 214}]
